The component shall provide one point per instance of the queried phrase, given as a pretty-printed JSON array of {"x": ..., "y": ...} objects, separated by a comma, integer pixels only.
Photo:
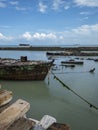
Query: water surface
[{"x": 50, "y": 97}]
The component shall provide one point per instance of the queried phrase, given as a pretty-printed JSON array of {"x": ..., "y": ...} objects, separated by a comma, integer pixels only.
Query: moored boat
[
  {"x": 72, "y": 62},
  {"x": 95, "y": 59},
  {"x": 68, "y": 65},
  {"x": 64, "y": 53},
  {"x": 92, "y": 70},
  {"x": 23, "y": 69}
]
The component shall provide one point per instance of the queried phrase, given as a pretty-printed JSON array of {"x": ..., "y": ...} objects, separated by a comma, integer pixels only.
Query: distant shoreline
[{"x": 40, "y": 48}]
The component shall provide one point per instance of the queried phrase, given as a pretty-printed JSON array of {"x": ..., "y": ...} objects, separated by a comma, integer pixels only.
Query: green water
[{"x": 50, "y": 97}]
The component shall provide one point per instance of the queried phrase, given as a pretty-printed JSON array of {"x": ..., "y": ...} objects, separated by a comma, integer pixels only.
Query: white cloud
[
  {"x": 2, "y": 36},
  {"x": 85, "y": 34},
  {"x": 83, "y": 30},
  {"x": 2, "y": 5},
  {"x": 51, "y": 36},
  {"x": 89, "y": 3},
  {"x": 38, "y": 36},
  {"x": 85, "y": 13},
  {"x": 86, "y": 30},
  {"x": 16, "y": 6},
  {"x": 14, "y": 2},
  {"x": 94, "y": 28},
  {"x": 83, "y": 19},
  {"x": 5, "y": 38},
  {"x": 43, "y": 36},
  {"x": 57, "y": 3},
  {"x": 21, "y": 8},
  {"x": 27, "y": 36},
  {"x": 42, "y": 7},
  {"x": 60, "y": 4},
  {"x": 66, "y": 7},
  {"x": 89, "y": 12}
]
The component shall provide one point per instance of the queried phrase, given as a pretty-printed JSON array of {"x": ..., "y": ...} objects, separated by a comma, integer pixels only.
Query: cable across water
[{"x": 66, "y": 86}]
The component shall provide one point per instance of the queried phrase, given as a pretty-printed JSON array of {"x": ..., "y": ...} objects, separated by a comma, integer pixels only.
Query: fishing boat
[
  {"x": 65, "y": 53},
  {"x": 23, "y": 69},
  {"x": 68, "y": 65},
  {"x": 72, "y": 62},
  {"x": 92, "y": 70},
  {"x": 95, "y": 59}
]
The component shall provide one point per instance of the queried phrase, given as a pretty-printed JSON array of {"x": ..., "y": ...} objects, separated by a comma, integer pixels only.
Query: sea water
[{"x": 50, "y": 97}]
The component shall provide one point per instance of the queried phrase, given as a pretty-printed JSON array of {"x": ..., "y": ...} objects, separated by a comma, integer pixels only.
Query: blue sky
[{"x": 49, "y": 22}]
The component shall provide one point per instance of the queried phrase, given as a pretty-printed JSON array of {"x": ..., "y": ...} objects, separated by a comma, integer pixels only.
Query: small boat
[
  {"x": 92, "y": 70},
  {"x": 23, "y": 69},
  {"x": 68, "y": 65},
  {"x": 72, "y": 62},
  {"x": 90, "y": 58},
  {"x": 5, "y": 97},
  {"x": 95, "y": 59},
  {"x": 55, "y": 53},
  {"x": 67, "y": 53}
]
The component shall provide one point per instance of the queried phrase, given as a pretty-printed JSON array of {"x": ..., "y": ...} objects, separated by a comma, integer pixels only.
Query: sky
[{"x": 49, "y": 22}]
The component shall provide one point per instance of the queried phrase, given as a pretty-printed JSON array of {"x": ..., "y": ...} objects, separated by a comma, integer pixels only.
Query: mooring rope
[{"x": 64, "y": 85}]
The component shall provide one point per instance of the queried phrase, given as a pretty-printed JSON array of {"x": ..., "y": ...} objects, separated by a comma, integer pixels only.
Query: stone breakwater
[
  {"x": 78, "y": 51},
  {"x": 40, "y": 48}
]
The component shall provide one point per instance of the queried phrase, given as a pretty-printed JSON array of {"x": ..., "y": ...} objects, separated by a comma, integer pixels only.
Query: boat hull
[
  {"x": 25, "y": 71},
  {"x": 72, "y": 62},
  {"x": 17, "y": 76}
]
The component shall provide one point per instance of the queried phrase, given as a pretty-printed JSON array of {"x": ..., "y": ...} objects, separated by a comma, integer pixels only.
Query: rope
[{"x": 64, "y": 85}]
